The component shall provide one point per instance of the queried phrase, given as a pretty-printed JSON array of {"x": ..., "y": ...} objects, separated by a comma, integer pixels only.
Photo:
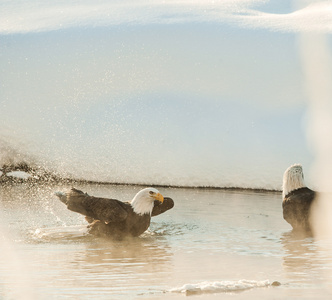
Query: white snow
[
  {"x": 220, "y": 286},
  {"x": 19, "y": 174}
]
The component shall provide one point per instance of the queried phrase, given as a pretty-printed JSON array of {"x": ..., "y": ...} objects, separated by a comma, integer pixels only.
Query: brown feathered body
[
  {"x": 296, "y": 208},
  {"x": 112, "y": 217}
]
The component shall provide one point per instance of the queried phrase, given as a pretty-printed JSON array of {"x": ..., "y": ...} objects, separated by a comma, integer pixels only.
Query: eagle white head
[
  {"x": 143, "y": 201},
  {"x": 293, "y": 179}
]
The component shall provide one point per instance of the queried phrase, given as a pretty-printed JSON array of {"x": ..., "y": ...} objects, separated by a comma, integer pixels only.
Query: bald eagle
[
  {"x": 111, "y": 217},
  {"x": 297, "y": 199}
]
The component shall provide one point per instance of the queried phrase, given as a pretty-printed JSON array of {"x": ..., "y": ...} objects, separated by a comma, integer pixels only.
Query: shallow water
[{"x": 213, "y": 243}]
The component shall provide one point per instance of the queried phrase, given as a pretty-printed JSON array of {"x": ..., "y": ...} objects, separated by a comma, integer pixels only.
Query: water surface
[{"x": 233, "y": 239}]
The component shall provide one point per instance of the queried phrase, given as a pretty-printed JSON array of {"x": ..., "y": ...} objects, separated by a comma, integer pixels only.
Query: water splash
[{"x": 61, "y": 234}]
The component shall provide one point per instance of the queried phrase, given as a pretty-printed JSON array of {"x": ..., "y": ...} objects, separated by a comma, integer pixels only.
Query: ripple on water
[
  {"x": 171, "y": 229},
  {"x": 59, "y": 234}
]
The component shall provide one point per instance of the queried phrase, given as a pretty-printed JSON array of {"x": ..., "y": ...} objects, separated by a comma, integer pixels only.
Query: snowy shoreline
[{"x": 23, "y": 173}]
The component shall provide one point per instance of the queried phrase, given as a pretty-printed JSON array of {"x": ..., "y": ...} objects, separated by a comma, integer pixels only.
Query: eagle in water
[
  {"x": 111, "y": 217},
  {"x": 297, "y": 199}
]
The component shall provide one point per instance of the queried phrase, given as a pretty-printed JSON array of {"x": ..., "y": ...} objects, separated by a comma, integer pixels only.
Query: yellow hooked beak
[{"x": 159, "y": 197}]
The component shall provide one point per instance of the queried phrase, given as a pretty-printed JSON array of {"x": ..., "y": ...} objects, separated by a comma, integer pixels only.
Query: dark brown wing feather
[
  {"x": 110, "y": 217},
  {"x": 105, "y": 210},
  {"x": 160, "y": 208},
  {"x": 296, "y": 208}
]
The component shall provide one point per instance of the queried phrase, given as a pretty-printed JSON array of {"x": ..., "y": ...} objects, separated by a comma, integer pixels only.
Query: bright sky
[{"x": 176, "y": 92}]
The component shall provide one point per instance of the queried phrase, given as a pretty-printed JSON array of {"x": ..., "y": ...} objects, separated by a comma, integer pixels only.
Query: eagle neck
[
  {"x": 292, "y": 185},
  {"x": 142, "y": 206}
]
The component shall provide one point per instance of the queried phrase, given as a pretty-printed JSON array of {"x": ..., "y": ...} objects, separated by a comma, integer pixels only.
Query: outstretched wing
[
  {"x": 103, "y": 209},
  {"x": 160, "y": 208}
]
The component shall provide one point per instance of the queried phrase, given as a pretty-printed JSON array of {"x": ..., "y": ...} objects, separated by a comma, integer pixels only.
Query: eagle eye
[{"x": 151, "y": 193}]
